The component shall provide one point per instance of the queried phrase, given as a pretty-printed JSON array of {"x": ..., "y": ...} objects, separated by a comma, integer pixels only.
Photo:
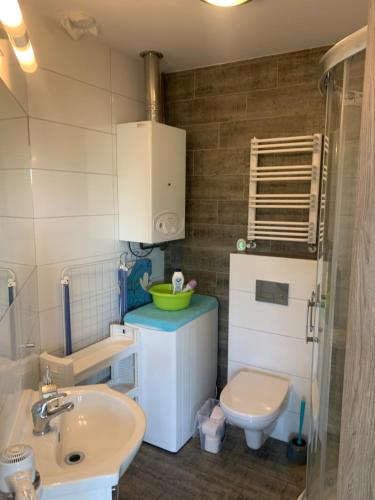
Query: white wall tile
[
  {"x": 270, "y": 351},
  {"x": 288, "y": 424},
  {"x": 16, "y": 198},
  {"x": 64, "y": 147},
  {"x": 287, "y": 320},
  {"x": 50, "y": 275},
  {"x": 61, "y": 99},
  {"x": 22, "y": 271},
  {"x": 299, "y": 273},
  {"x": 52, "y": 330},
  {"x": 17, "y": 240},
  {"x": 68, "y": 238},
  {"x": 10, "y": 107},
  {"x": 127, "y": 75},
  {"x": 14, "y": 144},
  {"x": 12, "y": 75},
  {"x": 126, "y": 110},
  {"x": 87, "y": 60},
  {"x": 59, "y": 194}
]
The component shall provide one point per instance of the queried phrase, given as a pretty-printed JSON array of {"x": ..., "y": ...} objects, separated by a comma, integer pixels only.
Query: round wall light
[{"x": 226, "y": 3}]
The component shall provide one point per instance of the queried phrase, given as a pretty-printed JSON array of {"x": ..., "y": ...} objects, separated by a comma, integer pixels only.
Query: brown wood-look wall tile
[
  {"x": 291, "y": 249},
  {"x": 222, "y": 284},
  {"x": 222, "y": 261},
  {"x": 222, "y": 378},
  {"x": 206, "y": 110},
  {"x": 222, "y": 161},
  {"x": 232, "y": 212},
  {"x": 206, "y": 280},
  {"x": 219, "y": 187},
  {"x": 189, "y": 163},
  {"x": 285, "y": 214},
  {"x": 223, "y": 330},
  {"x": 236, "y": 77},
  {"x": 179, "y": 85},
  {"x": 199, "y": 259},
  {"x": 202, "y": 211},
  {"x": 222, "y": 353},
  {"x": 300, "y": 67},
  {"x": 223, "y": 308},
  {"x": 202, "y": 136},
  {"x": 219, "y": 236},
  {"x": 239, "y": 133},
  {"x": 286, "y": 101},
  {"x": 219, "y": 127}
]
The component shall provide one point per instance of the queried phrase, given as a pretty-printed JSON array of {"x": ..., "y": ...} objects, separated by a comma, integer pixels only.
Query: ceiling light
[
  {"x": 26, "y": 58},
  {"x": 10, "y": 13},
  {"x": 226, "y": 3},
  {"x": 11, "y": 17}
]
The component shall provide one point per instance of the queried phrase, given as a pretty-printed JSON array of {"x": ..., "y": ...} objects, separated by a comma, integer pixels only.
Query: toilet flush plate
[{"x": 272, "y": 292}]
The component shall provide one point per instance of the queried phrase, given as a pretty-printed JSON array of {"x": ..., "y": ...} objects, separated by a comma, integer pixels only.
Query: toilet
[{"x": 253, "y": 401}]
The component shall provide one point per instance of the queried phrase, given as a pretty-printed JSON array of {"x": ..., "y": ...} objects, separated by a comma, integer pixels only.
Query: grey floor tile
[{"x": 236, "y": 473}]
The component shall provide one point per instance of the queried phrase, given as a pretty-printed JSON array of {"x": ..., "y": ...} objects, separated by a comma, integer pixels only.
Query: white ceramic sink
[{"x": 105, "y": 426}]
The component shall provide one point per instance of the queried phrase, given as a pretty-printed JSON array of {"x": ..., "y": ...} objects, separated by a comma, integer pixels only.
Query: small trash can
[{"x": 210, "y": 422}]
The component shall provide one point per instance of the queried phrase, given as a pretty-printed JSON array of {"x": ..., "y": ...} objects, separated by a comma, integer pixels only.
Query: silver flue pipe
[{"x": 152, "y": 84}]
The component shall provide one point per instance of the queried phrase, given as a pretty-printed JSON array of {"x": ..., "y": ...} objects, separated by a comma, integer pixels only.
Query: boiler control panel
[{"x": 168, "y": 224}]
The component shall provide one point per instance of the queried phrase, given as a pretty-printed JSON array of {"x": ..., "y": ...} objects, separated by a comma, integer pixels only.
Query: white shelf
[
  {"x": 130, "y": 390},
  {"x": 77, "y": 367},
  {"x": 99, "y": 356}
]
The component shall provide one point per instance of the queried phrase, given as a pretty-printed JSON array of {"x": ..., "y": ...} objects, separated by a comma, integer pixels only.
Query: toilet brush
[
  {"x": 301, "y": 418},
  {"x": 297, "y": 446}
]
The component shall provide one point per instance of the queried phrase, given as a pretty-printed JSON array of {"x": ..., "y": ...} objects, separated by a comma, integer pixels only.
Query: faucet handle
[
  {"x": 41, "y": 406},
  {"x": 53, "y": 399}
]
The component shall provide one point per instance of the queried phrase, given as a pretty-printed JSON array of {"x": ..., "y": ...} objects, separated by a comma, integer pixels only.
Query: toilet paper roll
[
  {"x": 217, "y": 414},
  {"x": 211, "y": 428},
  {"x": 212, "y": 445}
]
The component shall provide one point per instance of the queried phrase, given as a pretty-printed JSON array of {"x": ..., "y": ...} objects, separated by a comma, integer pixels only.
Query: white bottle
[{"x": 177, "y": 281}]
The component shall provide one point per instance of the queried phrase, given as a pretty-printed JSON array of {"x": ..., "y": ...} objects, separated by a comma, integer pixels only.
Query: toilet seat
[{"x": 254, "y": 396}]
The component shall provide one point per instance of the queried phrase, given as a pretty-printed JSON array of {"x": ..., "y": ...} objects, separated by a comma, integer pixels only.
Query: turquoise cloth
[{"x": 170, "y": 321}]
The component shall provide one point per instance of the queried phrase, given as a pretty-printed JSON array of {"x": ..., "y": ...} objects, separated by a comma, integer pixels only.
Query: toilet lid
[{"x": 255, "y": 393}]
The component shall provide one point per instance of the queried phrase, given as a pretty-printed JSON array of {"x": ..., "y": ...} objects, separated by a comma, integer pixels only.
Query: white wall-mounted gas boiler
[{"x": 151, "y": 165}]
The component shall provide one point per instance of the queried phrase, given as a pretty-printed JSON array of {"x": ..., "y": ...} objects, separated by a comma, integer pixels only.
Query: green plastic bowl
[{"x": 164, "y": 298}]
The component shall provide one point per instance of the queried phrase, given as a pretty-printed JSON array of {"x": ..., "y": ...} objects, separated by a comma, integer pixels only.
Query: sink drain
[{"x": 74, "y": 458}]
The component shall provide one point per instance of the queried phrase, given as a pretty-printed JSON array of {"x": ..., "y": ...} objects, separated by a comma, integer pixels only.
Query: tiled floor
[{"x": 237, "y": 473}]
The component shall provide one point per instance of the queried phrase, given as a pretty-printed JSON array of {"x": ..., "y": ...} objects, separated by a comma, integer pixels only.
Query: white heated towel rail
[{"x": 280, "y": 229}]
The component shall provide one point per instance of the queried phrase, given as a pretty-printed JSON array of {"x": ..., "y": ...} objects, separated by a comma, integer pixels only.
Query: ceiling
[{"x": 191, "y": 33}]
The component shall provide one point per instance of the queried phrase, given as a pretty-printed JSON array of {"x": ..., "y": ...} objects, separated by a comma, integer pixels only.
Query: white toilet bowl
[{"x": 254, "y": 400}]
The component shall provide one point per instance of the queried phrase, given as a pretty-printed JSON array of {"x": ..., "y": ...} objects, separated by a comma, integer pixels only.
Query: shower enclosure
[{"x": 342, "y": 82}]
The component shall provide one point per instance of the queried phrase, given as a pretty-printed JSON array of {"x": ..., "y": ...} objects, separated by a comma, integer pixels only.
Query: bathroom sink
[{"x": 88, "y": 448}]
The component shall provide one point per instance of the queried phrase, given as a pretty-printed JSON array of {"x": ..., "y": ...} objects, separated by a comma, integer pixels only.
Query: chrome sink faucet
[{"x": 45, "y": 410}]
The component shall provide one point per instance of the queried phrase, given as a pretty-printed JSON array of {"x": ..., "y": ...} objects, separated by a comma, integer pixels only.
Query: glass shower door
[{"x": 344, "y": 99}]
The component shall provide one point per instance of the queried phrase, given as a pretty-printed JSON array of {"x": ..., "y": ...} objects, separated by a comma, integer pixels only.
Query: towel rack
[{"x": 307, "y": 171}]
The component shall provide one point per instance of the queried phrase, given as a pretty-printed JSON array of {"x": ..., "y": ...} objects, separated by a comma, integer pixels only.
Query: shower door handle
[{"x": 310, "y": 325}]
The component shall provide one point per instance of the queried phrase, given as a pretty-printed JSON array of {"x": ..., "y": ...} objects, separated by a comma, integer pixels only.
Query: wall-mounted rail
[{"x": 277, "y": 174}]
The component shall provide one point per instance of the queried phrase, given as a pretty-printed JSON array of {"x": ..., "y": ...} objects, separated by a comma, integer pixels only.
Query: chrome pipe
[{"x": 151, "y": 60}]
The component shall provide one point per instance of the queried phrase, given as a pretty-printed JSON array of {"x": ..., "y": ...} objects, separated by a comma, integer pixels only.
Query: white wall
[
  {"x": 272, "y": 337},
  {"x": 79, "y": 93},
  {"x": 19, "y": 324}
]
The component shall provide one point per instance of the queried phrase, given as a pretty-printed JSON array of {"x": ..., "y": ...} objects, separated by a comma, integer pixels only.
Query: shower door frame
[
  {"x": 340, "y": 54},
  {"x": 357, "y": 448}
]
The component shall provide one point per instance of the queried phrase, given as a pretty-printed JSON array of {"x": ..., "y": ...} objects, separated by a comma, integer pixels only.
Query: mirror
[{"x": 17, "y": 248}]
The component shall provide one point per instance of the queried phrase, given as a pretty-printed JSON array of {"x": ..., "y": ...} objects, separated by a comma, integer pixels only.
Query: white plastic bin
[{"x": 211, "y": 426}]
